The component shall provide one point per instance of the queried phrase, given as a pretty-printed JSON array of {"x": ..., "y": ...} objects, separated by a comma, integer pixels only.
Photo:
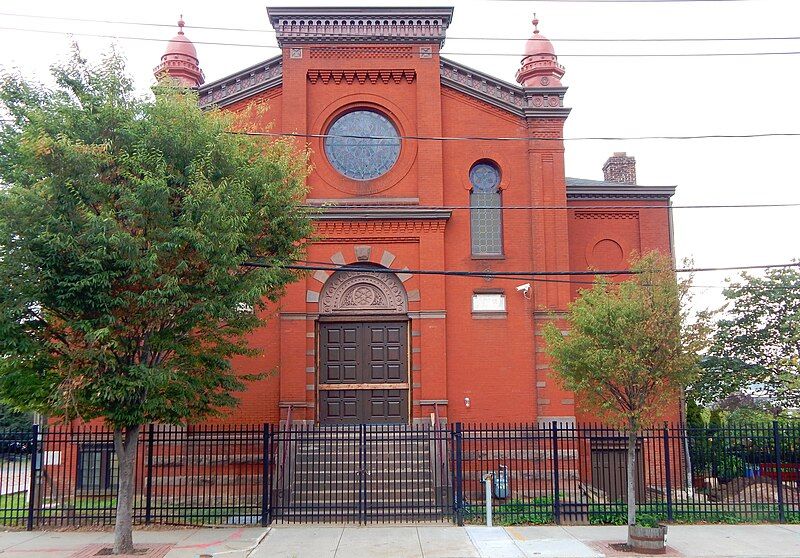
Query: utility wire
[
  {"x": 488, "y": 274},
  {"x": 449, "y": 37},
  {"x": 489, "y": 138},
  {"x": 377, "y": 50},
  {"x": 515, "y": 274},
  {"x": 515, "y": 138},
  {"x": 623, "y": 1},
  {"x": 355, "y": 207}
]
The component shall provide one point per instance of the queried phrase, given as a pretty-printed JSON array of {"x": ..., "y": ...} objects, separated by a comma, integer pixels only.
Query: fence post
[
  {"x": 458, "y": 474},
  {"x": 778, "y": 473},
  {"x": 554, "y": 450},
  {"x": 668, "y": 470},
  {"x": 148, "y": 506},
  {"x": 266, "y": 518},
  {"x": 32, "y": 486}
]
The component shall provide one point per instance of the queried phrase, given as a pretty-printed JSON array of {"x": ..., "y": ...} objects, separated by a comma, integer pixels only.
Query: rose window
[{"x": 362, "y": 144}]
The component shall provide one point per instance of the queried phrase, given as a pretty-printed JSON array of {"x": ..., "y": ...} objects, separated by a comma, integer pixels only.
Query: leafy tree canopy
[
  {"x": 122, "y": 229},
  {"x": 628, "y": 350},
  {"x": 756, "y": 345}
]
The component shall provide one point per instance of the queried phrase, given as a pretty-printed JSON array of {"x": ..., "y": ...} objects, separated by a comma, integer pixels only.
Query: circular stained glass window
[
  {"x": 362, "y": 144},
  {"x": 484, "y": 177}
]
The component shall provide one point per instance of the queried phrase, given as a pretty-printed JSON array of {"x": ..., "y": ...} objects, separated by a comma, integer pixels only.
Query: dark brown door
[{"x": 363, "y": 373}]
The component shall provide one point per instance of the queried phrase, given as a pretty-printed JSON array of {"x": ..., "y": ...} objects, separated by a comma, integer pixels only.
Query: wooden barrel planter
[{"x": 648, "y": 540}]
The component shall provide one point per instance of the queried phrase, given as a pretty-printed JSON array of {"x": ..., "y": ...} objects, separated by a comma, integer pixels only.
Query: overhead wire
[
  {"x": 489, "y": 274},
  {"x": 449, "y": 37},
  {"x": 515, "y": 138},
  {"x": 515, "y": 274},
  {"x": 377, "y": 50},
  {"x": 357, "y": 207}
]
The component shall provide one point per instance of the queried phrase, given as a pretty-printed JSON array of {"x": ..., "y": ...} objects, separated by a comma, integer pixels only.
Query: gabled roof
[
  {"x": 545, "y": 102},
  {"x": 583, "y": 188},
  {"x": 243, "y": 84}
]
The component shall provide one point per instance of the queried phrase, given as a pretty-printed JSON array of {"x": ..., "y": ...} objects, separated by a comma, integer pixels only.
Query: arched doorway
[{"x": 363, "y": 348}]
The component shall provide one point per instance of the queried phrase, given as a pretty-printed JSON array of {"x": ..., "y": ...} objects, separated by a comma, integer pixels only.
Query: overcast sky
[{"x": 610, "y": 96}]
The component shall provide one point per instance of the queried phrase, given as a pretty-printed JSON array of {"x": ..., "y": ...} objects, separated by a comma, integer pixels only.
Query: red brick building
[{"x": 372, "y": 342}]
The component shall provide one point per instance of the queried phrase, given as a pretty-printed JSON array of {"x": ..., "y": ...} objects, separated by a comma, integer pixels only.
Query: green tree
[
  {"x": 123, "y": 229},
  {"x": 756, "y": 345},
  {"x": 628, "y": 351}
]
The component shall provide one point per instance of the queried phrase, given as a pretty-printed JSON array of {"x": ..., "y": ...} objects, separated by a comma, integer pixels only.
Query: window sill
[
  {"x": 488, "y": 257},
  {"x": 489, "y": 315}
]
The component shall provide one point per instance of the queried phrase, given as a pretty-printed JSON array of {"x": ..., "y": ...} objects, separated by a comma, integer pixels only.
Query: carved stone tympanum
[{"x": 357, "y": 292}]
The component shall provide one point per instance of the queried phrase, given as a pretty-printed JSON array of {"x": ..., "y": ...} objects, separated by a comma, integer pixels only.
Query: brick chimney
[{"x": 620, "y": 168}]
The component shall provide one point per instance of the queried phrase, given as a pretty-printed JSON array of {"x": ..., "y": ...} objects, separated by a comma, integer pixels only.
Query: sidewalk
[
  {"x": 440, "y": 541},
  {"x": 183, "y": 543},
  {"x": 424, "y": 541}
]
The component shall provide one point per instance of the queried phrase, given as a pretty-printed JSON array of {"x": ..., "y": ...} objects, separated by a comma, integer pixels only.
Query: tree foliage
[
  {"x": 756, "y": 345},
  {"x": 123, "y": 228},
  {"x": 628, "y": 351}
]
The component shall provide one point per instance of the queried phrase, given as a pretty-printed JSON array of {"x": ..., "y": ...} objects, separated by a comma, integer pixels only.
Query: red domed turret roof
[
  {"x": 538, "y": 44},
  {"x": 179, "y": 61},
  {"x": 540, "y": 67},
  {"x": 180, "y": 44}
]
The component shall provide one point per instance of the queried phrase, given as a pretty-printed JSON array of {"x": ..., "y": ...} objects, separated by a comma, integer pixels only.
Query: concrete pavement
[{"x": 422, "y": 541}]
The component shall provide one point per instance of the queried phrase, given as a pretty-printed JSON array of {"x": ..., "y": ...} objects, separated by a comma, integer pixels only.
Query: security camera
[{"x": 524, "y": 288}]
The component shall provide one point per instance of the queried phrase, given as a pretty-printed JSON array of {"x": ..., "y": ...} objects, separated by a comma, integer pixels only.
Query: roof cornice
[
  {"x": 613, "y": 191},
  {"x": 525, "y": 102},
  {"x": 332, "y": 24},
  {"x": 245, "y": 83},
  {"x": 343, "y": 213}
]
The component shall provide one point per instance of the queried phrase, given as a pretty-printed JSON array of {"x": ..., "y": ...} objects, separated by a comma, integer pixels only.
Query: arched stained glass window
[
  {"x": 486, "y": 217},
  {"x": 359, "y": 157}
]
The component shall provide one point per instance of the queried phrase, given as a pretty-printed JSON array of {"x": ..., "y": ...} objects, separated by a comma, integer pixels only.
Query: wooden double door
[{"x": 363, "y": 372}]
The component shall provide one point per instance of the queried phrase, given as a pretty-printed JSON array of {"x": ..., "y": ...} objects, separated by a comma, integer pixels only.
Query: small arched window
[{"x": 486, "y": 215}]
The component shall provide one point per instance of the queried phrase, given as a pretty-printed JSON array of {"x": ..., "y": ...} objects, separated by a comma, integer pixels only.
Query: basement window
[
  {"x": 488, "y": 302},
  {"x": 96, "y": 467}
]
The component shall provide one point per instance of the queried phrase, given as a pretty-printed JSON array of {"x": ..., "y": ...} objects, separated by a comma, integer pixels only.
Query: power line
[
  {"x": 514, "y": 274},
  {"x": 624, "y": 1},
  {"x": 513, "y": 138},
  {"x": 489, "y": 274},
  {"x": 517, "y": 55},
  {"x": 449, "y": 37},
  {"x": 353, "y": 207},
  {"x": 517, "y": 138}
]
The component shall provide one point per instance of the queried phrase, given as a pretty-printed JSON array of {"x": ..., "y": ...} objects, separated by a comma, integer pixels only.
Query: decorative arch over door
[
  {"x": 363, "y": 348},
  {"x": 362, "y": 293}
]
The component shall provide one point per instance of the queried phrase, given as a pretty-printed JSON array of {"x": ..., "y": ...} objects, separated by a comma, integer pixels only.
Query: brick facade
[{"x": 463, "y": 365}]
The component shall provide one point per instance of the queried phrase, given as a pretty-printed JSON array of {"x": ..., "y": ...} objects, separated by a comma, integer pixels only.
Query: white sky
[{"x": 609, "y": 96}]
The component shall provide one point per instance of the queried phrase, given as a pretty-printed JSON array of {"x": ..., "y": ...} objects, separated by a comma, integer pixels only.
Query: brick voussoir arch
[{"x": 379, "y": 292}]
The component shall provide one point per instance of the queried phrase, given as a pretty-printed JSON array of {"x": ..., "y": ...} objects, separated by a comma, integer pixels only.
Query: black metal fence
[{"x": 540, "y": 474}]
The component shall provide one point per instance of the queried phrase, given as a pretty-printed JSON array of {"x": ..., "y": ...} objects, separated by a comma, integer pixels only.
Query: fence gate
[{"x": 361, "y": 474}]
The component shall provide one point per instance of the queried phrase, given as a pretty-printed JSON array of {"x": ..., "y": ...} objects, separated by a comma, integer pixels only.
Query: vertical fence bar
[
  {"x": 265, "y": 495},
  {"x": 458, "y": 473},
  {"x": 776, "y": 435},
  {"x": 554, "y": 450},
  {"x": 362, "y": 461},
  {"x": 668, "y": 472},
  {"x": 148, "y": 507},
  {"x": 32, "y": 487}
]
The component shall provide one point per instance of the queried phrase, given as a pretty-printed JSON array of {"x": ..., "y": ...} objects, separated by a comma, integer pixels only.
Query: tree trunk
[
  {"x": 125, "y": 446},
  {"x": 632, "y": 427}
]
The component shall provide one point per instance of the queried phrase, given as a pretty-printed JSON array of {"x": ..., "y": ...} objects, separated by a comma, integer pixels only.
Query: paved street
[{"x": 424, "y": 541}]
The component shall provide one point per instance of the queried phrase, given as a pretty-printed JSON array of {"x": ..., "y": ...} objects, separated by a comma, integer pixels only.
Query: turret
[
  {"x": 540, "y": 67},
  {"x": 180, "y": 62}
]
